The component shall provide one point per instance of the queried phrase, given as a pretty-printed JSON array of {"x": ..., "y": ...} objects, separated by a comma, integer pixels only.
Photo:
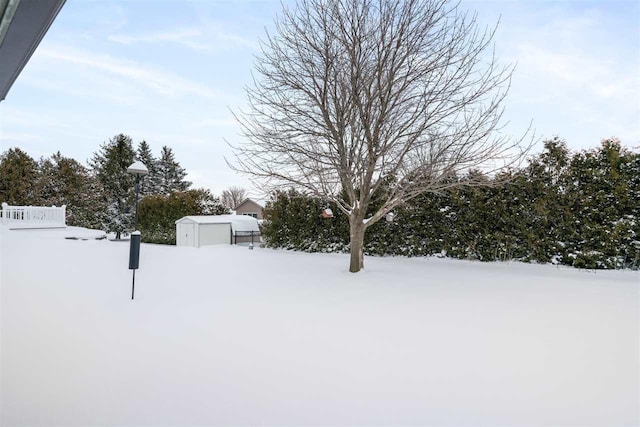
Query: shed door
[
  {"x": 212, "y": 234},
  {"x": 185, "y": 234}
]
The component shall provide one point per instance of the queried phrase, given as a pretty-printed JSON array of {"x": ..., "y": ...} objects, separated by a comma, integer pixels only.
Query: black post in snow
[
  {"x": 134, "y": 257},
  {"x": 133, "y": 284}
]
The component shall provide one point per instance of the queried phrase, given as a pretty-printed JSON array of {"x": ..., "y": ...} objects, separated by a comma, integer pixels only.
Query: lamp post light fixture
[{"x": 138, "y": 169}]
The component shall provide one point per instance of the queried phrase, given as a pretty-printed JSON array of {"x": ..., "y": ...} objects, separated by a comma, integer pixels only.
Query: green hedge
[{"x": 574, "y": 209}]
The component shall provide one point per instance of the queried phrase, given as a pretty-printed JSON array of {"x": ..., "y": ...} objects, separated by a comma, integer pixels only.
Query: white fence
[{"x": 33, "y": 216}]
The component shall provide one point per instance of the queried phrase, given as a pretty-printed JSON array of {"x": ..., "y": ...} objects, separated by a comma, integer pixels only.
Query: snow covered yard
[{"x": 226, "y": 336}]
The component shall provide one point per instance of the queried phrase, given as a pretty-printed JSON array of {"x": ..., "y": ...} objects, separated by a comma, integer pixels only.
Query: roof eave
[{"x": 23, "y": 24}]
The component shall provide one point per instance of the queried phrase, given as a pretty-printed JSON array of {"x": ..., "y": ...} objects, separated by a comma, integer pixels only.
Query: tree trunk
[{"x": 356, "y": 245}]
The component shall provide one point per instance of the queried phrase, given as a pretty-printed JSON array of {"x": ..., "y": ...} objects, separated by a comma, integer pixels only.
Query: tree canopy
[{"x": 389, "y": 99}]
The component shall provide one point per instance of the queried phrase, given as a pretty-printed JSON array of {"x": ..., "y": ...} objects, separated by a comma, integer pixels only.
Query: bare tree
[
  {"x": 356, "y": 98},
  {"x": 233, "y": 196}
]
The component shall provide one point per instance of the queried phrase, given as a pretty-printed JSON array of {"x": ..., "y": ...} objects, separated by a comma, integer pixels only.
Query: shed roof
[{"x": 238, "y": 222}]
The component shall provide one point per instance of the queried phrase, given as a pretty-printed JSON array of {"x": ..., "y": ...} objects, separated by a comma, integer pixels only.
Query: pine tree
[
  {"x": 630, "y": 222},
  {"x": 149, "y": 184},
  {"x": 170, "y": 174},
  {"x": 64, "y": 181},
  {"x": 545, "y": 209},
  {"x": 87, "y": 208},
  {"x": 48, "y": 184},
  {"x": 18, "y": 178},
  {"x": 602, "y": 195},
  {"x": 209, "y": 204},
  {"x": 110, "y": 166}
]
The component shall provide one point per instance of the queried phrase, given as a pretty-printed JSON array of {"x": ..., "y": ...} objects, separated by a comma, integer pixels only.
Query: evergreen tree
[
  {"x": 210, "y": 204},
  {"x": 170, "y": 174},
  {"x": 48, "y": 183},
  {"x": 630, "y": 222},
  {"x": 64, "y": 181},
  {"x": 18, "y": 178},
  {"x": 87, "y": 208},
  {"x": 601, "y": 195},
  {"x": 545, "y": 211},
  {"x": 294, "y": 221},
  {"x": 149, "y": 184},
  {"x": 110, "y": 165}
]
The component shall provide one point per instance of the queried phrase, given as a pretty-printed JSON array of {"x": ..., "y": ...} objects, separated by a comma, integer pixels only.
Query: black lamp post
[{"x": 138, "y": 169}]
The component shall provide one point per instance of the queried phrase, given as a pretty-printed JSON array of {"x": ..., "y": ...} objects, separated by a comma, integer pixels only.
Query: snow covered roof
[{"x": 238, "y": 222}]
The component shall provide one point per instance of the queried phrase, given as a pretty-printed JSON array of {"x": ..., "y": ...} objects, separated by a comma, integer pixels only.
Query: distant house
[
  {"x": 204, "y": 230},
  {"x": 250, "y": 208}
]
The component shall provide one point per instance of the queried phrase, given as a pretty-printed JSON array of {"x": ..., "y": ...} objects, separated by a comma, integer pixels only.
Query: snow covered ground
[{"x": 227, "y": 336}]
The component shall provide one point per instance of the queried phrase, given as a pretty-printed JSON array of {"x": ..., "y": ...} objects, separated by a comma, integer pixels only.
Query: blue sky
[{"x": 169, "y": 71}]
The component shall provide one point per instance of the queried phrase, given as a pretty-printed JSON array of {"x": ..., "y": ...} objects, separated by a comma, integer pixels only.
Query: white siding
[
  {"x": 213, "y": 234},
  {"x": 180, "y": 237},
  {"x": 205, "y": 230}
]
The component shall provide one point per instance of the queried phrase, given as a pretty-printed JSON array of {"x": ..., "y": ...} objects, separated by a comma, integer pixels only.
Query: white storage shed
[{"x": 206, "y": 230}]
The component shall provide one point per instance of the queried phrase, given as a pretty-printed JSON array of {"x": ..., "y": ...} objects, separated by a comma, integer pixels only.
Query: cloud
[
  {"x": 576, "y": 69},
  {"x": 184, "y": 38},
  {"x": 106, "y": 89},
  {"x": 235, "y": 39},
  {"x": 18, "y": 139},
  {"x": 161, "y": 82},
  {"x": 218, "y": 180},
  {"x": 215, "y": 122},
  {"x": 199, "y": 39}
]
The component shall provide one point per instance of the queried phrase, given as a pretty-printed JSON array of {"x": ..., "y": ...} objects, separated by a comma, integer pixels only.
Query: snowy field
[{"x": 227, "y": 336}]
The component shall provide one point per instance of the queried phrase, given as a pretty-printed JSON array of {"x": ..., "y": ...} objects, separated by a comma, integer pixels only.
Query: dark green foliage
[
  {"x": 18, "y": 178},
  {"x": 150, "y": 183},
  {"x": 170, "y": 174},
  {"x": 64, "y": 181},
  {"x": 579, "y": 210},
  {"x": 56, "y": 180},
  {"x": 296, "y": 222},
  {"x": 110, "y": 167},
  {"x": 603, "y": 193},
  {"x": 158, "y": 213},
  {"x": 103, "y": 196}
]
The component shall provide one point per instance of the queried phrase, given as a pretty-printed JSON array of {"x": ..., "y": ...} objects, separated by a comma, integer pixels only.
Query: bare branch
[{"x": 355, "y": 97}]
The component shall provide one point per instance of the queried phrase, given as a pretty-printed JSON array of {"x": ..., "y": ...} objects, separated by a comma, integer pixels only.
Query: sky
[{"x": 172, "y": 72}]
